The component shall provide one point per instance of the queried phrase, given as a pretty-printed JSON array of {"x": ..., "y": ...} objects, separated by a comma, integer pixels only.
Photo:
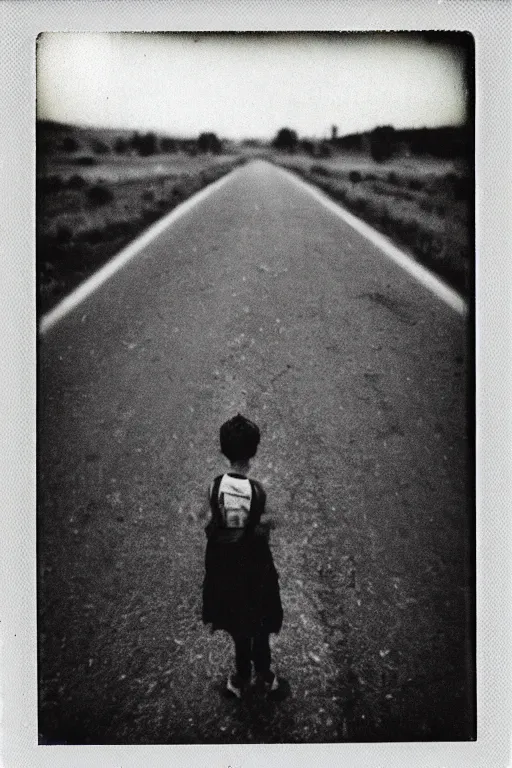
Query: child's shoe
[
  {"x": 275, "y": 687},
  {"x": 236, "y": 686},
  {"x": 268, "y": 683}
]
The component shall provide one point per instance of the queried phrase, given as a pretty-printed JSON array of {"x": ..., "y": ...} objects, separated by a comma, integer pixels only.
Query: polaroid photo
[{"x": 255, "y": 306}]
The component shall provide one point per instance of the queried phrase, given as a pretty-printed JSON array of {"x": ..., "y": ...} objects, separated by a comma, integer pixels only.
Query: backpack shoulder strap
[{"x": 257, "y": 501}]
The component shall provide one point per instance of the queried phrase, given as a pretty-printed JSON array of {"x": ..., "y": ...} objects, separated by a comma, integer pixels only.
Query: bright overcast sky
[{"x": 248, "y": 86}]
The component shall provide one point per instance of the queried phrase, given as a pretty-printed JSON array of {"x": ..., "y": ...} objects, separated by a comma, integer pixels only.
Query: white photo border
[{"x": 490, "y": 22}]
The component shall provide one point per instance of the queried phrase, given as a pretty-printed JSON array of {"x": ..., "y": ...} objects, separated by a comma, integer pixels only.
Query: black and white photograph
[{"x": 255, "y": 388}]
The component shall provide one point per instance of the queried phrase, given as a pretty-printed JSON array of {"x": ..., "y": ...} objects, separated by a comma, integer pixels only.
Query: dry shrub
[
  {"x": 52, "y": 183},
  {"x": 415, "y": 184},
  {"x": 359, "y": 204},
  {"x": 321, "y": 170},
  {"x": 64, "y": 234},
  {"x": 99, "y": 195},
  {"x": 77, "y": 182},
  {"x": 85, "y": 160},
  {"x": 149, "y": 215}
]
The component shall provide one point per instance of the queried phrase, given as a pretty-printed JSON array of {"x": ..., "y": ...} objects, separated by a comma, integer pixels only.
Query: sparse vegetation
[
  {"x": 99, "y": 194},
  {"x": 69, "y": 144},
  {"x": 422, "y": 205},
  {"x": 421, "y": 202},
  {"x": 82, "y": 221},
  {"x": 86, "y": 160},
  {"x": 320, "y": 169},
  {"x": 76, "y": 182}
]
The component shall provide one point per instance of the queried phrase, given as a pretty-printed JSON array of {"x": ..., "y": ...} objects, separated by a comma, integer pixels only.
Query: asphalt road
[{"x": 258, "y": 300}]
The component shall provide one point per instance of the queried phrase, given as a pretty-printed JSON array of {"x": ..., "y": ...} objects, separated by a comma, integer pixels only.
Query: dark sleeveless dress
[{"x": 241, "y": 584}]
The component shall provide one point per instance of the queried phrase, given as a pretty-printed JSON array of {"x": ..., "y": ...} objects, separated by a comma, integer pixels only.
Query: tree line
[
  {"x": 139, "y": 143},
  {"x": 385, "y": 141}
]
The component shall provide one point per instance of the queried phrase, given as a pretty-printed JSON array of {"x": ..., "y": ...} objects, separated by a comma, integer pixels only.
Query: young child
[{"x": 241, "y": 588}]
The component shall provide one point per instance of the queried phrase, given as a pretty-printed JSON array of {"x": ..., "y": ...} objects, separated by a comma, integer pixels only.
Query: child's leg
[
  {"x": 243, "y": 657},
  {"x": 261, "y": 656}
]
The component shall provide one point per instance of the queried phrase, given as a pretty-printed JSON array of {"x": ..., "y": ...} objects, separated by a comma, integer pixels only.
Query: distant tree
[
  {"x": 86, "y": 160},
  {"x": 121, "y": 146},
  {"x": 100, "y": 147},
  {"x": 208, "y": 142},
  {"x": 99, "y": 195},
  {"x": 382, "y": 143},
  {"x": 286, "y": 139},
  {"x": 147, "y": 145},
  {"x": 352, "y": 141},
  {"x": 69, "y": 144},
  {"x": 325, "y": 149},
  {"x": 135, "y": 141},
  {"x": 168, "y": 145},
  {"x": 307, "y": 146}
]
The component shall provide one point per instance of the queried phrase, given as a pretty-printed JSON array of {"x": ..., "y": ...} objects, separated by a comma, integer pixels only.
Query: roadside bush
[
  {"x": 427, "y": 206},
  {"x": 50, "y": 184},
  {"x": 359, "y": 204},
  {"x": 307, "y": 146},
  {"x": 63, "y": 234},
  {"x": 320, "y": 169},
  {"x": 415, "y": 184},
  {"x": 393, "y": 178},
  {"x": 100, "y": 147},
  {"x": 148, "y": 196},
  {"x": 93, "y": 235},
  {"x": 450, "y": 178},
  {"x": 325, "y": 149},
  {"x": 149, "y": 215},
  {"x": 338, "y": 193},
  {"x": 85, "y": 160},
  {"x": 76, "y": 182},
  {"x": 100, "y": 195},
  {"x": 462, "y": 188},
  {"x": 355, "y": 176},
  {"x": 385, "y": 221},
  {"x": 121, "y": 146},
  {"x": 69, "y": 144},
  {"x": 168, "y": 145}
]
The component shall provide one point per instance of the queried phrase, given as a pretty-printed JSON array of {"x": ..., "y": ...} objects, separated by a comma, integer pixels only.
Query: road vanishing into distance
[{"x": 260, "y": 300}]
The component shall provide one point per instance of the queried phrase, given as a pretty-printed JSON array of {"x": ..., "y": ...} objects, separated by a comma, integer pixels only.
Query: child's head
[{"x": 239, "y": 439}]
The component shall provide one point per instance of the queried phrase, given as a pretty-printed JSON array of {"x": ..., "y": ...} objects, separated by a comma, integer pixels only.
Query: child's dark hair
[{"x": 239, "y": 438}]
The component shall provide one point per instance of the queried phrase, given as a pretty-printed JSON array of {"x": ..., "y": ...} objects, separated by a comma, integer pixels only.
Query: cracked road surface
[{"x": 257, "y": 300}]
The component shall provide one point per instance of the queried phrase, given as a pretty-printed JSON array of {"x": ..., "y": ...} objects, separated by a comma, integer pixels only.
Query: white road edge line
[
  {"x": 118, "y": 261},
  {"x": 420, "y": 273}
]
